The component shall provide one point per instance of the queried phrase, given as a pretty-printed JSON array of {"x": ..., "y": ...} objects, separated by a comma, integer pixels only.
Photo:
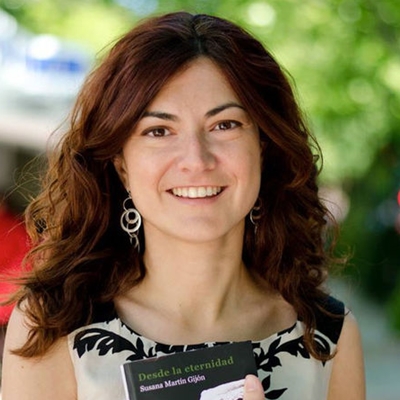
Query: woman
[{"x": 181, "y": 210}]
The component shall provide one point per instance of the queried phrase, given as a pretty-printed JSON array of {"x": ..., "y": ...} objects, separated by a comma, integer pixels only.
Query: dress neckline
[
  {"x": 298, "y": 325},
  {"x": 329, "y": 323}
]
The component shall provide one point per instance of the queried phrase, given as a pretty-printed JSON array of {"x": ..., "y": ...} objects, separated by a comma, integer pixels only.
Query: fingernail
[{"x": 251, "y": 383}]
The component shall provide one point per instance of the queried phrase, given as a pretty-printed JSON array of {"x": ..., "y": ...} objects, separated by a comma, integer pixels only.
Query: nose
[{"x": 197, "y": 154}]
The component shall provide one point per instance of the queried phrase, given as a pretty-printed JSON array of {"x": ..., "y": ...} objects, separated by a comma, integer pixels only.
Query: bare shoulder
[
  {"x": 47, "y": 377},
  {"x": 348, "y": 380}
]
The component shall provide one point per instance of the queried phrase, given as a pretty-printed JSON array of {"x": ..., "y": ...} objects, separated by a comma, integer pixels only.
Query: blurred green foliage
[
  {"x": 93, "y": 23},
  {"x": 344, "y": 56}
]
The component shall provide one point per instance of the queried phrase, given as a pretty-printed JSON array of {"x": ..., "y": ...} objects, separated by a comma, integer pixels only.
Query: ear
[{"x": 120, "y": 167}]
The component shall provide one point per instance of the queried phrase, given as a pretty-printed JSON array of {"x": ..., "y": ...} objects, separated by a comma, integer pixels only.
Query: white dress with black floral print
[{"x": 285, "y": 367}]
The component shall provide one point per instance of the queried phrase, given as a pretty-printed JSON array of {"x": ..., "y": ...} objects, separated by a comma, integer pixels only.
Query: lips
[{"x": 196, "y": 192}]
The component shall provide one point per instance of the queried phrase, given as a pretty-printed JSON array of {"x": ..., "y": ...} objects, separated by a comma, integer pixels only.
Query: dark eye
[
  {"x": 157, "y": 132},
  {"x": 226, "y": 125}
]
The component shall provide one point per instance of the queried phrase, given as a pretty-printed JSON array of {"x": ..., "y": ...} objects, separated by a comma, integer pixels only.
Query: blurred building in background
[{"x": 39, "y": 77}]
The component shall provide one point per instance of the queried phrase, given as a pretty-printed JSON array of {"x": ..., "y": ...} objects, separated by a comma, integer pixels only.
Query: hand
[{"x": 253, "y": 389}]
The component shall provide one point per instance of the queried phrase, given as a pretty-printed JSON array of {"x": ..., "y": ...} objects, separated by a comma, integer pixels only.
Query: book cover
[{"x": 213, "y": 373}]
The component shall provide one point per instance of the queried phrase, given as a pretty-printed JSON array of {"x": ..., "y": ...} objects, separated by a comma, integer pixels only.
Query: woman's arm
[
  {"x": 42, "y": 378},
  {"x": 348, "y": 380}
]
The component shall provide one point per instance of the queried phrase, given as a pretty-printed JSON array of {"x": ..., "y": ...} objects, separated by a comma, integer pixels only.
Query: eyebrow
[
  {"x": 160, "y": 114},
  {"x": 223, "y": 107},
  {"x": 210, "y": 113}
]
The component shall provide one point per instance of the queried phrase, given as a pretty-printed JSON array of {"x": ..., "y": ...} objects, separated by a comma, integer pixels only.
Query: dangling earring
[
  {"x": 131, "y": 222},
  {"x": 255, "y": 214}
]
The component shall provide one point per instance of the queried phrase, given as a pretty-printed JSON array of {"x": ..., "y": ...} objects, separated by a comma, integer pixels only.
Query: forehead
[{"x": 199, "y": 81}]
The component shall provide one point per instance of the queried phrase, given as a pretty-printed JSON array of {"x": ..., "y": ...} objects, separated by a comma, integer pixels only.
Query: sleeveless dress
[{"x": 285, "y": 367}]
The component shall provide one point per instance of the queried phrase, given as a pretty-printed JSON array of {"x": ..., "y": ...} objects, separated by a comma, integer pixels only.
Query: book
[{"x": 212, "y": 373}]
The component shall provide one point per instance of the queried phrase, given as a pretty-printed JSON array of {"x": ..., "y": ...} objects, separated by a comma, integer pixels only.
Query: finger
[{"x": 253, "y": 389}]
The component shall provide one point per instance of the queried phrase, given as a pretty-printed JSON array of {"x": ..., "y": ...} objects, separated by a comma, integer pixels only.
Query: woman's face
[{"x": 193, "y": 162}]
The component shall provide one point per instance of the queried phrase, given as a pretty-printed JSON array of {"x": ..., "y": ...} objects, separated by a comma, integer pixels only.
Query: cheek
[
  {"x": 247, "y": 165},
  {"x": 253, "y": 158},
  {"x": 144, "y": 175}
]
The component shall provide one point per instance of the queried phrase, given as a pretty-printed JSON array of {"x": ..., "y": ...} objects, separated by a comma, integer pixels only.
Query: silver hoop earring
[
  {"x": 255, "y": 214},
  {"x": 131, "y": 222}
]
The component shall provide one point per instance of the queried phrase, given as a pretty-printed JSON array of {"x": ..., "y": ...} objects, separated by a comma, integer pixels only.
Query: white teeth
[{"x": 197, "y": 192}]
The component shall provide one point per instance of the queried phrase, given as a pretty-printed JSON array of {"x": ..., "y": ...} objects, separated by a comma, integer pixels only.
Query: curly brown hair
[{"x": 82, "y": 258}]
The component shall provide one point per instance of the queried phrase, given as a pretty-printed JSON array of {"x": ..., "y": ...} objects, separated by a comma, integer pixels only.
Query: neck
[
  {"x": 188, "y": 278},
  {"x": 199, "y": 292}
]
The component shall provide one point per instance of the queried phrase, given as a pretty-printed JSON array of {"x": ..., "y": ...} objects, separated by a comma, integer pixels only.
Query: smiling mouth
[{"x": 197, "y": 192}]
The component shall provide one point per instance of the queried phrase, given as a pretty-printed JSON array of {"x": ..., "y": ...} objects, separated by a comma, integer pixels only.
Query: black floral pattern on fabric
[
  {"x": 106, "y": 342},
  {"x": 267, "y": 358},
  {"x": 267, "y": 361}
]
